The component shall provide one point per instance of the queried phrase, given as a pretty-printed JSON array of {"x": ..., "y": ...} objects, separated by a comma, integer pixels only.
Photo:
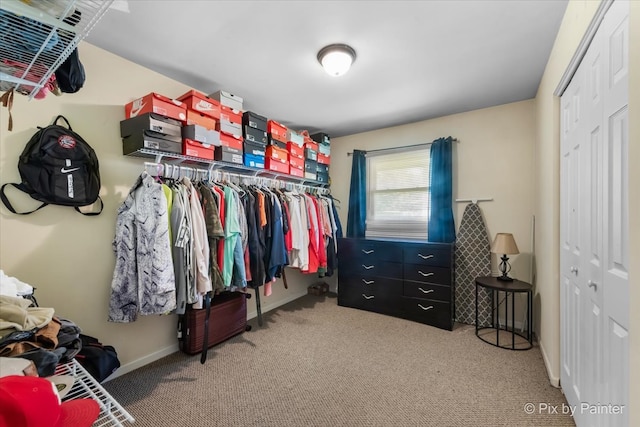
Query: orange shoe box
[
  {"x": 325, "y": 160},
  {"x": 312, "y": 145},
  {"x": 295, "y": 150},
  {"x": 277, "y": 130},
  {"x": 200, "y": 102},
  {"x": 156, "y": 103},
  {"x": 231, "y": 115},
  {"x": 295, "y": 171},
  {"x": 232, "y": 141},
  {"x": 197, "y": 149},
  {"x": 277, "y": 153},
  {"x": 198, "y": 118},
  {"x": 296, "y": 162},
  {"x": 276, "y": 165}
]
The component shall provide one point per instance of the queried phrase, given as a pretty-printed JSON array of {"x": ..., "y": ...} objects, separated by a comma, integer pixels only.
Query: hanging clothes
[{"x": 143, "y": 279}]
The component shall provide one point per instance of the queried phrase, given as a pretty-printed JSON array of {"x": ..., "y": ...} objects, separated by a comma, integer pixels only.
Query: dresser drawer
[
  {"x": 369, "y": 293},
  {"x": 426, "y": 291},
  {"x": 428, "y": 254},
  {"x": 434, "y": 313},
  {"x": 369, "y": 250},
  {"x": 371, "y": 268},
  {"x": 426, "y": 273}
]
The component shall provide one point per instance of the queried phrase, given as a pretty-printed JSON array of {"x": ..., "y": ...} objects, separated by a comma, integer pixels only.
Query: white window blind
[{"x": 398, "y": 194}]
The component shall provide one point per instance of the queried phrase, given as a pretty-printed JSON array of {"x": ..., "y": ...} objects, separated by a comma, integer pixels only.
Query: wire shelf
[
  {"x": 85, "y": 386},
  {"x": 37, "y": 36}
]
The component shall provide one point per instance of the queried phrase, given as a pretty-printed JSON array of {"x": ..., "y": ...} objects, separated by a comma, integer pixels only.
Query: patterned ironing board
[{"x": 473, "y": 259}]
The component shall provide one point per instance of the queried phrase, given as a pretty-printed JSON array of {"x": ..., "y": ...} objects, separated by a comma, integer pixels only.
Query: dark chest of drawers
[{"x": 410, "y": 280}]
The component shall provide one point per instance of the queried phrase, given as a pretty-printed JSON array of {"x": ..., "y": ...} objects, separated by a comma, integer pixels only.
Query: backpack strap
[
  {"x": 7, "y": 101},
  {"x": 6, "y": 202},
  {"x": 205, "y": 344},
  {"x": 89, "y": 213},
  {"x": 63, "y": 118}
]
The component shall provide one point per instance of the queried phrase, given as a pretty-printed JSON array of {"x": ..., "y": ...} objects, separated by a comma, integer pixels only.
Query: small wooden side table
[{"x": 495, "y": 287}]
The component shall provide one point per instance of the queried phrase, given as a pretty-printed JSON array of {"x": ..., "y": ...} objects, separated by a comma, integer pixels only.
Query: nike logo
[
  {"x": 65, "y": 170},
  {"x": 137, "y": 106}
]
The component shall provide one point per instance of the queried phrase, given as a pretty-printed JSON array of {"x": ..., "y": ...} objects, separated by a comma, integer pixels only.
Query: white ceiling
[{"x": 415, "y": 59}]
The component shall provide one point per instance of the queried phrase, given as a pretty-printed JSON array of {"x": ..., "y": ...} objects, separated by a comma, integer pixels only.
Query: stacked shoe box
[
  {"x": 324, "y": 156},
  {"x": 230, "y": 127},
  {"x": 277, "y": 157},
  {"x": 254, "y": 130},
  {"x": 153, "y": 122},
  {"x": 295, "y": 147},
  {"x": 310, "y": 158},
  {"x": 199, "y": 136}
]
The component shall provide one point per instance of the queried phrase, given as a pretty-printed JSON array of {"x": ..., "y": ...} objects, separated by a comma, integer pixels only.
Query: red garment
[
  {"x": 322, "y": 250},
  {"x": 221, "y": 212},
  {"x": 314, "y": 261}
]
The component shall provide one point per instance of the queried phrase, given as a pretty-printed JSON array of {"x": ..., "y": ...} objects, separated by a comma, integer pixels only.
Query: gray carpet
[{"x": 314, "y": 363}]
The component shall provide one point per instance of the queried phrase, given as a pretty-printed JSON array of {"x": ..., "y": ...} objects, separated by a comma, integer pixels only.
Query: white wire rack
[
  {"x": 36, "y": 36},
  {"x": 85, "y": 386}
]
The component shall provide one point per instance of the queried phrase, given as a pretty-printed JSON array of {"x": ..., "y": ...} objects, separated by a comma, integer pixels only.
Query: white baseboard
[
  {"x": 554, "y": 380},
  {"x": 268, "y": 307},
  {"x": 139, "y": 363}
]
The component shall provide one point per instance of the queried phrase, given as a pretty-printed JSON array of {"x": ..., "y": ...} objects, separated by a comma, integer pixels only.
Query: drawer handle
[
  {"x": 368, "y": 296},
  {"x": 425, "y": 256},
  {"x": 425, "y": 274},
  {"x": 368, "y": 267},
  {"x": 368, "y": 282},
  {"x": 368, "y": 252},
  {"x": 425, "y": 308},
  {"x": 428, "y": 291}
]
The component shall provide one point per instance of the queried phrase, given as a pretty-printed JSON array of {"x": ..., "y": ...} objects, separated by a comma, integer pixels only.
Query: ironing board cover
[{"x": 473, "y": 259}]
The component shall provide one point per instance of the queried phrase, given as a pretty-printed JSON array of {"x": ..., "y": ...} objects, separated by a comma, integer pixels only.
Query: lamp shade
[
  {"x": 336, "y": 59},
  {"x": 504, "y": 243}
]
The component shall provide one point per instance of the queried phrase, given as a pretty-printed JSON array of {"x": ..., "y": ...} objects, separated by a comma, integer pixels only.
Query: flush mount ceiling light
[{"x": 336, "y": 59}]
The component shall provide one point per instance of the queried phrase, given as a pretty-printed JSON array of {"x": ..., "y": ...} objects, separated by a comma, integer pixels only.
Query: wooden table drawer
[
  {"x": 426, "y": 273},
  {"x": 431, "y": 254},
  {"x": 434, "y": 313},
  {"x": 371, "y": 268},
  {"x": 426, "y": 291},
  {"x": 369, "y": 250},
  {"x": 368, "y": 292}
]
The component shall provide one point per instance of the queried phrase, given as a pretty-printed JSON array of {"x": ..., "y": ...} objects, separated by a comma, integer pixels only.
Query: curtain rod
[{"x": 350, "y": 153}]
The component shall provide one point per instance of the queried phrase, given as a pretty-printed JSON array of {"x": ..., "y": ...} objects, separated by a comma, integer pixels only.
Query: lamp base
[{"x": 505, "y": 278}]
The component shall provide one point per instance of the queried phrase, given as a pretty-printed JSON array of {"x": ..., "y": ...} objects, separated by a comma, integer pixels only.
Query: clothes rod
[
  {"x": 168, "y": 170},
  {"x": 486, "y": 199},
  {"x": 424, "y": 144}
]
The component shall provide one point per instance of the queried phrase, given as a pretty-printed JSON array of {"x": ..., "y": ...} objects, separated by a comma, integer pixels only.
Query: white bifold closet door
[{"x": 594, "y": 221}]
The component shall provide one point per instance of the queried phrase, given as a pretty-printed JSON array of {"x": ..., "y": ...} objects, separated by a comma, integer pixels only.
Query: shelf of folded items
[
  {"x": 36, "y": 37},
  {"x": 86, "y": 387},
  {"x": 208, "y": 166}
]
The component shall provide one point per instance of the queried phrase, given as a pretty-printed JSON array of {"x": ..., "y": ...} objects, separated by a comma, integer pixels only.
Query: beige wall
[
  {"x": 576, "y": 20},
  {"x": 493, "y": 159},
  {"x": 67, "y": 256}
]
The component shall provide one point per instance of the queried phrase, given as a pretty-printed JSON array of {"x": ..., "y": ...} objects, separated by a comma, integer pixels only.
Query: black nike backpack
[{"x": 58, "y": 167}]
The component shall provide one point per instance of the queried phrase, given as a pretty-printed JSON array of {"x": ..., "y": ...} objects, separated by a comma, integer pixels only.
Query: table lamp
[{"x": 504, "y": 244}]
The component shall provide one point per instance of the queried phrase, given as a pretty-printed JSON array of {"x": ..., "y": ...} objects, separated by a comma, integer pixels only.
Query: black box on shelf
[
  {"x": 228, "y": 154},
  {"x": 277, "y": 143},
  {"x": 322, "y": 177},
  {"x": 150, "y": 121},
  {"x": 310, "y": 166},
  {"x": 256, "y": 121},
  {"x": 322, "y": 168},
  {"x": 321, "y": 138},
  {"x": 254, "y": 148},
  {"x": 310, "y": 154},
  {"x": 152, "y": 140},
  {"x": 254, "y": 135},
  {"x": 201, "y": 134}
]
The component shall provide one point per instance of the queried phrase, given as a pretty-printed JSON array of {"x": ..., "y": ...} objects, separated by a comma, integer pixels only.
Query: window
[{"x": 398, "y": 194}]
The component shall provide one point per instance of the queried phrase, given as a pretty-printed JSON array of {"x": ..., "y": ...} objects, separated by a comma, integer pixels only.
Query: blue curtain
[
  {"x": 357, "y": 216},
  {"x": 441, "y": 227}
]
